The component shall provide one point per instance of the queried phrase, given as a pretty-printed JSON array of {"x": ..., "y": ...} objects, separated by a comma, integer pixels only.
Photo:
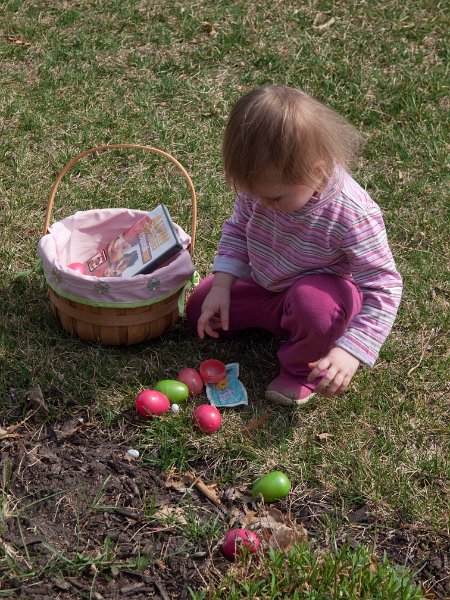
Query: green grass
[
  {"x": 166, "y": 74},
  {"x": 302, "y": 574}
]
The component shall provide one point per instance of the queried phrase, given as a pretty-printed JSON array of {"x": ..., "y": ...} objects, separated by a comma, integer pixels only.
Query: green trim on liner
[
  {"x": 194, "y": 280},
  {"x": 120, "y": 304}
]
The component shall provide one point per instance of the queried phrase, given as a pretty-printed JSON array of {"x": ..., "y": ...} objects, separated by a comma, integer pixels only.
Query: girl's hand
[
  {"x": 215, "y": 312},
  {"x": 339, "y": 367}
]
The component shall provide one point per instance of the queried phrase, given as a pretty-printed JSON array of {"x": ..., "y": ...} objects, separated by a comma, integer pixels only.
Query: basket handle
[{"x": 133, "y": 146}]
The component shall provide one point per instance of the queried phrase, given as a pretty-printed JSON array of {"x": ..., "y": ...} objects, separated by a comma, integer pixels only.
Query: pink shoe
[{"x": 287, "y": 391}]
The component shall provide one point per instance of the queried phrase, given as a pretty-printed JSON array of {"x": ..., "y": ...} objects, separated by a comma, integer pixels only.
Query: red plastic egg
[
  {"x": 236, "y": 540},
  {"x": 207, "y": 418},
  {"x": 212, "y": 370},
  {"x": 79, "y": 267},
  {"x": 192, "y": 379},
  {"x": 151, "y": 402}
]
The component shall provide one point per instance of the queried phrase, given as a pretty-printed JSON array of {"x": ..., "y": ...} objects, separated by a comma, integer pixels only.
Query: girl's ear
[
  {"x": 319, "y": 168},
  {"x": 320, "y": 174}
]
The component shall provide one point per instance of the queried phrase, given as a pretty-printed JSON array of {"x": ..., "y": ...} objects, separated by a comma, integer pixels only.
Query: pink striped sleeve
[
  {"x": 373, "y": 268},
  {"x": 232, "y": 254}
]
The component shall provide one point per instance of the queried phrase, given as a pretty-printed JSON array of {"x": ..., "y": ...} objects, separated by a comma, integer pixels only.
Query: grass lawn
[{"x": 77, "y": 517}]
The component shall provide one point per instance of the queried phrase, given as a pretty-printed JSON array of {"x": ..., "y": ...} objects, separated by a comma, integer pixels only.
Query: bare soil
[{"x": 77, "y": 521}]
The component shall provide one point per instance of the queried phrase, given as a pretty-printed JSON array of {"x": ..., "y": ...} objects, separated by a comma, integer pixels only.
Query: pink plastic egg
[
  {"x": 192, "y": 379},
  {"x": 212, "y": 370},
  {"x": 207, "y": 418},
  {"x": 79, "y": 267},
  {"x": 151, "y": 402},
  {"x": 236, "y": 540}
]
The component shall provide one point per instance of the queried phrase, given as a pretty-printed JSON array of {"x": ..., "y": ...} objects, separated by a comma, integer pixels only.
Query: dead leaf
[
  {"x": 69, "y": 427},
  {"x": 285, "y": 535},
  {"x": 323, "y": 437},
  {"x": 282, "y": 538},
  {"x": 254, "y": 423},
  {"x": 182, "y": 483},
  {"x": 325, "y": 25},
  {"x": 275, "y": 529},
  {"x": 272, "y": 518},
  {"x": 209, "y": 29},
  {"x": 175, "y": 514},
  {"x": 301, "y": 534},
  {"x": 250, "y": 520},
  {"x": 61, "y": 584},
  {"x": 18, "y": 42},
  {"x": 4, "y": 434},
  {"x": 176, "y": 482},
  {"x": 36, "y": 400},
  {"x": 319, "y": 17},
  {"x": 9, "y": 431},
  {"x": 373, "y": 563},
  {"x": 232, "y": 494},
  {"x": 235, "y": 517},
  {"x": 207, "y": 490}
]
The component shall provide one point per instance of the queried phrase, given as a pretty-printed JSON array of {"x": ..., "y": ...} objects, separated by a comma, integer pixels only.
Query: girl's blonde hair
[{"x": 282, "y": 128}]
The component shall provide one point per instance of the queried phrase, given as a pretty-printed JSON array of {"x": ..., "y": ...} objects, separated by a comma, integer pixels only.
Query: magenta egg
[
  {"x": 79, "y": 267},
  {"x": 212, "y": 370},
  {"x": 238, "y": 541},
  {"x": 207, "y": 418},
  {"x": 192, "y": 379},
  {"x": 151, "y": 402}
]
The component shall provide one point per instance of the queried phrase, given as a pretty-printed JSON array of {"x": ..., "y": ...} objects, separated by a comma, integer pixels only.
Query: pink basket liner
[{"x": 80, "y": 236}]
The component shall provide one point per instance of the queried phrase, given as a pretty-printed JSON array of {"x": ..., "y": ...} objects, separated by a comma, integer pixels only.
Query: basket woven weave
[{"x": 118, "y": 325}]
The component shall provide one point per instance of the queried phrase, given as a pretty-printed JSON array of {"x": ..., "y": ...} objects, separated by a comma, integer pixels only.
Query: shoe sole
[{"x": 279, "y": 398}]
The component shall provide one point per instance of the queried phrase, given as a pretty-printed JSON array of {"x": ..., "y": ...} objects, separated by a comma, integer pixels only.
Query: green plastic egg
[
  {"x": 272, "y": 486},
  {"x": 176, "y": 391}
]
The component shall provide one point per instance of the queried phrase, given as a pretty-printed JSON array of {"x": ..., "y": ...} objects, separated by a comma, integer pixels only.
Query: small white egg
[
  {"x": 133, "y": 453},
  {"x": 175, "y": 408}
]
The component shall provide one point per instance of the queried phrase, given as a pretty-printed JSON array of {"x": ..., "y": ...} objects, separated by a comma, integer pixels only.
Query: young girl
[{"x": 305, "y": 254}]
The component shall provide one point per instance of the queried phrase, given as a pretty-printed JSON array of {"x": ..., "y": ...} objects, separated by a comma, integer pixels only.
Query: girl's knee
[
  {"x": 319, "y": 296},
  {"x": 321, "y": 305}
]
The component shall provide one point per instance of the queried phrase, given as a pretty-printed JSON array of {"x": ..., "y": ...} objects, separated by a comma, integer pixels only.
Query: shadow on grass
[{"x": 73, "y": 373}]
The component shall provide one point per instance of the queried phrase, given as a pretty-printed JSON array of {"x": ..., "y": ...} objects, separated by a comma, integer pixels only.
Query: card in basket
[{"x": 140, "y": 249}]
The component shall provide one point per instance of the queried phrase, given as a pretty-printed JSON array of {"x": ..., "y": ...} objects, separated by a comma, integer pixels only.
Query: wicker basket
[{"x": 118, "y": 326}]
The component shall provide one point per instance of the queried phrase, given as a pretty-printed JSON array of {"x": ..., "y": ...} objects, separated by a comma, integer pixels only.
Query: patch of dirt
[
  {"x": 80, "y": 518},
  {"x": 77, "y": 519}
]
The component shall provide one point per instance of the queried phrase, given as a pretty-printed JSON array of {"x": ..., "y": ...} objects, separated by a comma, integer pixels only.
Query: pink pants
[{"x": 312, "y": 314}]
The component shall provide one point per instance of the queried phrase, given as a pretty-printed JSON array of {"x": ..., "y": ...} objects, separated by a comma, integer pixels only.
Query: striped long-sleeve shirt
[{"x": 340, "y": 232}]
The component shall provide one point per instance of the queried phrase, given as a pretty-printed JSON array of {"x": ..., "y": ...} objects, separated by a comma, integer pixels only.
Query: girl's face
[{"x": 280, "y": 196}]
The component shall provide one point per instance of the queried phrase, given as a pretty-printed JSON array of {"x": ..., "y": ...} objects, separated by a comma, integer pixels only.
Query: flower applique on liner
[
  {"x": 57, "y": 275},
  {"x": 153, "y": 284},
  {"x": 101, "y": 287}
]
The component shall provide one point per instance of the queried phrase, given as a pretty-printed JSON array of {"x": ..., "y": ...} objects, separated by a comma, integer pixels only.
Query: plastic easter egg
[
  {"x": 207, "y": 418},
  {"x": 152, "y": 402},
  {"x": 272, "y": 486},
  {"x": 79, "y": 267},
  {"x": 238, "y": 542},
  {"x": 192, "y": 379},
  {"x": 212, "y": 370},
  {"x": 176, "y": 391}
]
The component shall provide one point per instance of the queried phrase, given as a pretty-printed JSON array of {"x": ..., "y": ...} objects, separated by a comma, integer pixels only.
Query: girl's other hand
[
  {"x": 337, "y": 368},
  {"x": 215, "y": 312}
]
